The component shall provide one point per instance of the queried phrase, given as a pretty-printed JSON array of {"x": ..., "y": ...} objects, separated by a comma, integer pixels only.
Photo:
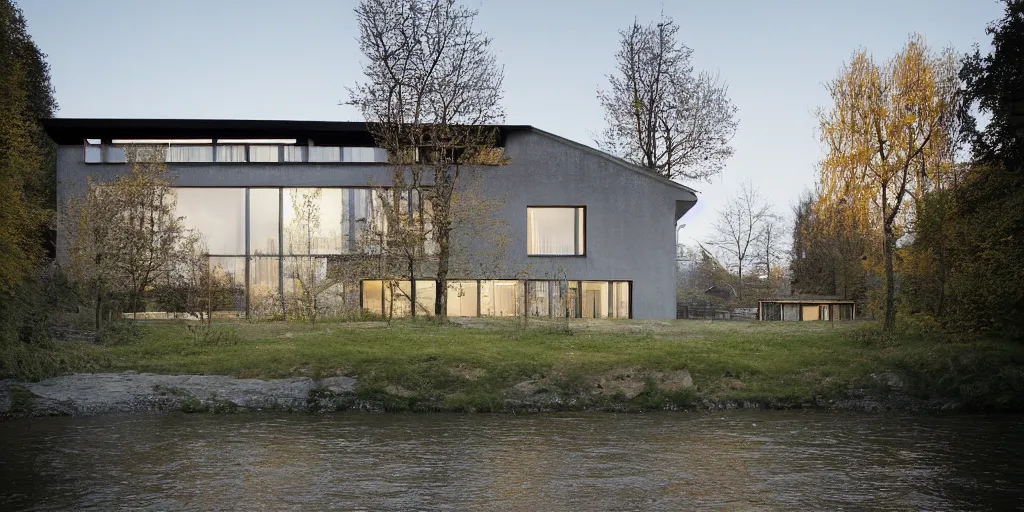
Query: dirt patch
[
  {"x": 674, "y": 381},
  {"x": 628, "y": 382}
]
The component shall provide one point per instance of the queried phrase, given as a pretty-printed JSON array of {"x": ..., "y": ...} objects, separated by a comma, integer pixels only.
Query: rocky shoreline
[{"x": 86, "y": 394}]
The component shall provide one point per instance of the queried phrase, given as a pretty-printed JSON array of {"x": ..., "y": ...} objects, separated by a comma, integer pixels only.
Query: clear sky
[{"x": 262, "y": 59}]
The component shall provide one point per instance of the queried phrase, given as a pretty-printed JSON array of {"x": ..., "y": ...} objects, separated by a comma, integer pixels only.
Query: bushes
[
  {"x": 23, "y": 361},
  {"x": 40, "y": 308}
]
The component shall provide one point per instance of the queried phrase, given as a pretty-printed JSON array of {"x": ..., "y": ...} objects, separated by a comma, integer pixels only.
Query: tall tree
[
  {"x": 827, "y": 255},
  {"x": 883, "y": 119},
  {"x": 738, "y": 228},
  {"x": 123, "y": 233},
  {"x": 771, "y": 238},
  {"x": 431, "y": 98},
  {"x": 989, "y": 208},
  {"x": 26, "y": 159},
  {"x": 659, "y": 114}
]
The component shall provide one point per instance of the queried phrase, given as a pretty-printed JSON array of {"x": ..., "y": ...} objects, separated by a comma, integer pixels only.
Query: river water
[{"x": 665, "y": 461}]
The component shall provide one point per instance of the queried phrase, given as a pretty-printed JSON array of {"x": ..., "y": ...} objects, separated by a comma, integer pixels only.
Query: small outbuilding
[{"x": 804, "y": 309}]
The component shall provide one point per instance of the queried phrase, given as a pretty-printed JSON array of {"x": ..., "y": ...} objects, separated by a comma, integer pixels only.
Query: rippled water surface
[{"x": 665, "y": 461}]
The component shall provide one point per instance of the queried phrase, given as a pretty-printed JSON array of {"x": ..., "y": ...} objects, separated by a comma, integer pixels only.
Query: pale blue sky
[{"x": 259, "y": 59}]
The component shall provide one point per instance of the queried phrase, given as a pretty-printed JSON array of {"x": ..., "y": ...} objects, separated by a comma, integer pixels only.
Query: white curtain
[
  {"x": 262, "y": 153},
  {"x": 324, "y": 154},
  {"x": 552, "y": 231},
  {"x": 231, "y": 153},
  {"x": 189, "y": 153}
]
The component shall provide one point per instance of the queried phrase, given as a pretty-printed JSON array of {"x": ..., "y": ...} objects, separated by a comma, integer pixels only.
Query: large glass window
[
  {"x": 557, "y": 299},
  {"x": 218, "y": 214},
  {"x": 313, "y": 221},
  {"x": 426, "y": 292},
  {"x": 462, "y": 298},
  {"x": 373, "y": 296},
  {"x": 264, "y": 286},
  {"x": 397, "y": 298},
  {"x": 596, "y": 299},
  {"x": 500, "y": 298},
  {"x": 263, "y": 220},
  {"x": 230, "y": 271},
  {"x": 620, "y": 299},
  {"x": 356, "y": 211},
  {"x": 538, "y": 297},
  {"x": 307, "y": 282},
  {"x": 555, "y": 231}
]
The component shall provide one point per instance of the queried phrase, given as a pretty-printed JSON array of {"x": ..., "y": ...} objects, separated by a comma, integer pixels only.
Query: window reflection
[
  {"x": 308, "y": 283},
  {"x": 373, "y": 296},
  {"x": 218, "y": 214},
  {"x": 263, "y": 220},
  {"x": 313, "y": 221},
  {"x": 231, "y": 272},
  {"x": 264, "y": 288},
  {"x": 426, "y": 293},
  {"x": 397, "y": 295},
  {"x": 462, "y": 298}
]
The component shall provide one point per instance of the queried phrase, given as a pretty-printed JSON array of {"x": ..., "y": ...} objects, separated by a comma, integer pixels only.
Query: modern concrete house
[{"x": 592, "y": 235}]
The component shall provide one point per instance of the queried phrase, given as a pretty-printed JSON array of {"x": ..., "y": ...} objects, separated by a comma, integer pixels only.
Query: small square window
[{"x": 555, "y": 230}]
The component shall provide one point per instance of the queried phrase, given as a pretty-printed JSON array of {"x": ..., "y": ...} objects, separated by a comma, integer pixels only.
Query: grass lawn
[{"x": 475, "y": 365}]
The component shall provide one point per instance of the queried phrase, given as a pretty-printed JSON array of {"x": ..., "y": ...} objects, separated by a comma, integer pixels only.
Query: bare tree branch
[{"x": 659, "y": 115}]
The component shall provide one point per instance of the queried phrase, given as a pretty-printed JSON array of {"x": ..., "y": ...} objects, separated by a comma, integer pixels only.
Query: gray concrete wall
[{"x": 630, "y": 215}]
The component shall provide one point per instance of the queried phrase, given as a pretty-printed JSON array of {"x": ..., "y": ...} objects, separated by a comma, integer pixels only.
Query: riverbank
[{"x": 488, "y": 366}]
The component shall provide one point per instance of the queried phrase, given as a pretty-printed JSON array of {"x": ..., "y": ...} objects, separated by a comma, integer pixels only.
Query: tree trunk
[
  {"x": 412, "y": 286},
  {"x": 99, "y": 308},
  {"x": 889, "y": 324},
  {"x": 739, "y": 289},
  {"x": 441, "y": 286}
]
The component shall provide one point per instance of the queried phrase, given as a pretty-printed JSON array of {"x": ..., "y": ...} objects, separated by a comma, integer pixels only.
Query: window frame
[{"x": 583, "y": 247}]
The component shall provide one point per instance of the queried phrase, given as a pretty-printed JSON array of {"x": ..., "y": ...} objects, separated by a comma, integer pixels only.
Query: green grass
[{"x": 420, "y": 366}]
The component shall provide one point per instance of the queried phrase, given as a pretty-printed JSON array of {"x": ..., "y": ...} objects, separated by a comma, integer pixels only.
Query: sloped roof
[
  {"x": 72, "y": 131},
  {"x": 617, "y": 160}
]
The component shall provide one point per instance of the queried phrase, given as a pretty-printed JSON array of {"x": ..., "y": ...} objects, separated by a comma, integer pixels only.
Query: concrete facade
[{"x": 630, "y": 214}]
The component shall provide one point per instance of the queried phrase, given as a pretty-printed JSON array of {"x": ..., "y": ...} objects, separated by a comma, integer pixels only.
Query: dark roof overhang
[{"x": 70, "y": 131}]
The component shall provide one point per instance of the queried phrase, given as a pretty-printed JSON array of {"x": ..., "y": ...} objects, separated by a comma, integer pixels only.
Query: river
[{"x": 734, "y": 460}]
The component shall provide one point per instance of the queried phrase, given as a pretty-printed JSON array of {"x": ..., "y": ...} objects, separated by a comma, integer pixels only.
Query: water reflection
[{"x": 738, "y": 460}]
